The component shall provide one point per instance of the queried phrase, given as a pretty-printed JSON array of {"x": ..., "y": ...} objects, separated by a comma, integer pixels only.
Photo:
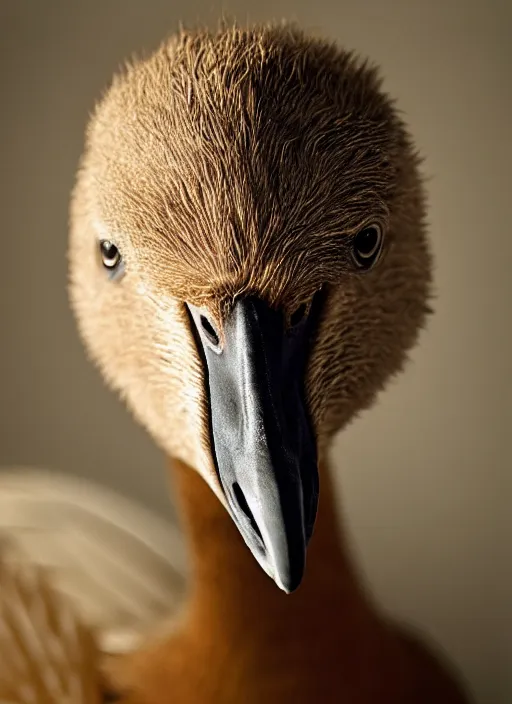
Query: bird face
[{"x": 248, "y": 263}]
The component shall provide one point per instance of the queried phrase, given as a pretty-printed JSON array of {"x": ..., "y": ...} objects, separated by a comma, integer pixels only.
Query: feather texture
[
  {"x": 47, "y": 656},
  {"x": 76, "y": 560},
  {"x": 245, "y": 161}
]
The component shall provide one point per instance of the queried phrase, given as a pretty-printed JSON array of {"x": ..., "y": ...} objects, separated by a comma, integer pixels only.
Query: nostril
[
  {"x": 210, "y": 331},
  {"x": 244, "y": 507},
  {"x": 298, "y": 315}
]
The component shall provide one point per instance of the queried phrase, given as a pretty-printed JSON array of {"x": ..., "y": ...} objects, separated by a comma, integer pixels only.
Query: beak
[{"x": 264, "y": 446}]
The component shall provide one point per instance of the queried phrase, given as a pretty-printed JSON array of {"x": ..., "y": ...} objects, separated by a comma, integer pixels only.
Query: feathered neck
[
  {"x": 237, "y": 615},
  {"x": 227, "y": 578},
  {"x": 241, "y": 639}
]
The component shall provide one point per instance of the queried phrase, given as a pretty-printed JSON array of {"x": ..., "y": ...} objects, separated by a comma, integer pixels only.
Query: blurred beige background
[{"x": 425, "y": 474}]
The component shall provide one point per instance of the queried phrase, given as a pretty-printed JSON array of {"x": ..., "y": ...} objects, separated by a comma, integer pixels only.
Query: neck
[
  {"x": 242, "y": 639},
  {"x": 231, "y": 595}
]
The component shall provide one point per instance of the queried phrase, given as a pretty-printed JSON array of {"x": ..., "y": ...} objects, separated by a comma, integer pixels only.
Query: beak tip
[
  {"x": 290, "y": 579},
  {"x": 286, "y": 575},
  {"x": 290, "y": 587},
  {"x": 291, "y": 584}
]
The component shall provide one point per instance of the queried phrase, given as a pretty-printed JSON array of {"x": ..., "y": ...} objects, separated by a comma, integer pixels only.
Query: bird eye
[
  {"x": 209, "y": 331},
  {"x": 111, "y": 257},
  {"x": 367, "y": 246}
]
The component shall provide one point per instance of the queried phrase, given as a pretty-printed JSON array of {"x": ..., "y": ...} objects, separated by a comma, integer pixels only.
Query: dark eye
[
  {"x": 110, "y": 257},
  {"x": 209, "y": 331},
  {"x": 367, "y": 246}
]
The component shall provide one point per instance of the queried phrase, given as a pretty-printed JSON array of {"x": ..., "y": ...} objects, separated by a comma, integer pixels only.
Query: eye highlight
[
  {"x": 367, "y": 246},
  {"x": 111, "y": 258}
]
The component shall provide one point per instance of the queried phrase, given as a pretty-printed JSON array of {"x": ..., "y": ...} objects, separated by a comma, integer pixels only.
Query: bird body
[
  {"x": 84, "y": 571},
  {"x": 248, "y": 267}
]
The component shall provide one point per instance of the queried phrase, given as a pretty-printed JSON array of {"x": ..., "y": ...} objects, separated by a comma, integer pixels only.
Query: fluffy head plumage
[{"x": 237, "y": 162}]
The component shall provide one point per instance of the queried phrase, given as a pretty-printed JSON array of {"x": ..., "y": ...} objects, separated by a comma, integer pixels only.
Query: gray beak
[{"x": 264, "y": 446}]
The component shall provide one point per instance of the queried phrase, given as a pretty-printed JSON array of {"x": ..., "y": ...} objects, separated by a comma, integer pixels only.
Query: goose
[{"x": 249, "y": 266}]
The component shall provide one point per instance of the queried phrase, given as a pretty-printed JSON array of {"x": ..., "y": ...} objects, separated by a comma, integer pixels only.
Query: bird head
[{"x": 248, "y": 262}]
